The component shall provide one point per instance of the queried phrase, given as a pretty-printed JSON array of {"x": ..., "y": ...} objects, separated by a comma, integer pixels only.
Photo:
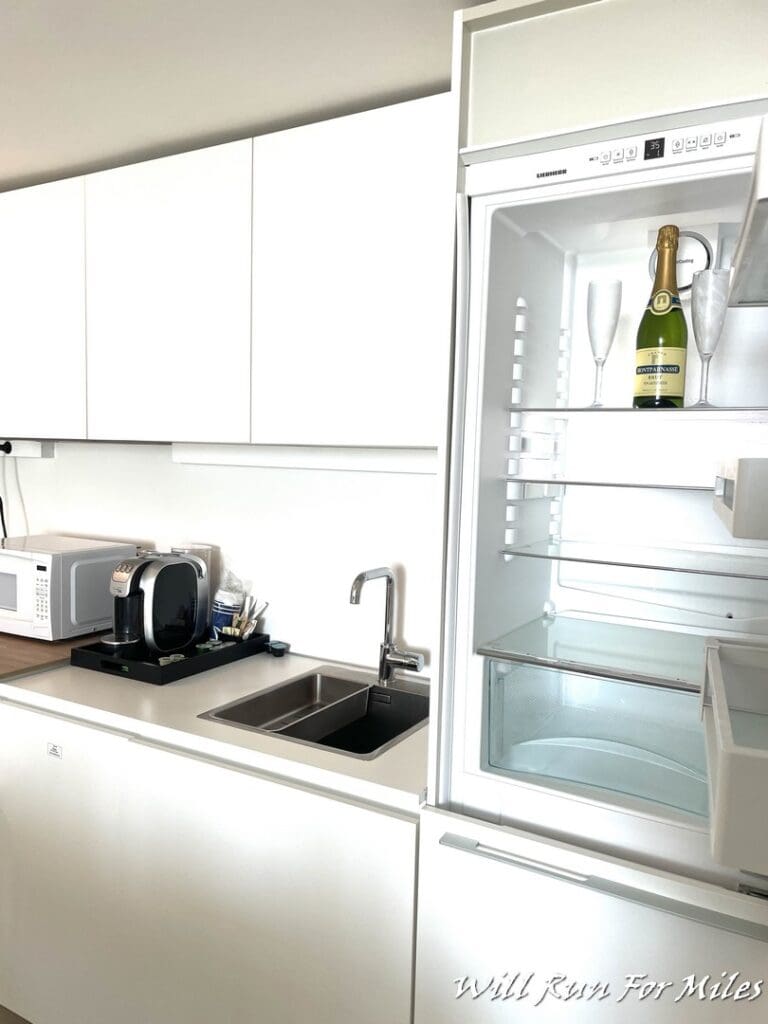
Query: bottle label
[
  {"x": 660, "y": 372},
  {"x": 662, "y": 301}
]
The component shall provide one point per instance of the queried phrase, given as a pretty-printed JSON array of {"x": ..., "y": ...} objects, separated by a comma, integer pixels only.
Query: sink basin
[
  {"x": 389, "y": 716},
  {"x": 351, "y": 717},
  {"x": 282, "y": 706}
]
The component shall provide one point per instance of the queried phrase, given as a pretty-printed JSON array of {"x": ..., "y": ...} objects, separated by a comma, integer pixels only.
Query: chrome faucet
[{"x": 390, "y": 657}]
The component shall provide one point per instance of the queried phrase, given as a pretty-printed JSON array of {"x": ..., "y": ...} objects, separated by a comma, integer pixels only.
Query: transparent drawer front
[
  {"x": 638, "y": 740},
  {"x": 735, "y": 712}
]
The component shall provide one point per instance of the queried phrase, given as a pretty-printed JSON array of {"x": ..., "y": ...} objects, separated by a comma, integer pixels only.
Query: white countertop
[{"x": 167, "y": 715}]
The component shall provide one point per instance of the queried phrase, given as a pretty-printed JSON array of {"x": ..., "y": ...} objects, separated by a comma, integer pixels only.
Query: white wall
[
  {"x": 149, "y": 79},
  {"x": 300, "y": 536}
]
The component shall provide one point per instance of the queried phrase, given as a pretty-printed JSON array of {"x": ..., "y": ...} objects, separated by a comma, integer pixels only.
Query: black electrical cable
[{"x": 7, "y": 448}]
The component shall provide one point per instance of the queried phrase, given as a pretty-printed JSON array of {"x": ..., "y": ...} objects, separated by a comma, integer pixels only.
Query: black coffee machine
[{"x": 161, "y": 602}]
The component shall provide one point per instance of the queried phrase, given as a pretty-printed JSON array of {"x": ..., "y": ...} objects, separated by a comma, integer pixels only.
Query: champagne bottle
[{"x": 662, "y": 337}]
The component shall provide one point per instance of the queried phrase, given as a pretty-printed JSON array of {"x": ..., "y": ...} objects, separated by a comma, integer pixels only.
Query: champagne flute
[
  {"x": 709, "y": 304},
  {"x": 603, "y": 307}
]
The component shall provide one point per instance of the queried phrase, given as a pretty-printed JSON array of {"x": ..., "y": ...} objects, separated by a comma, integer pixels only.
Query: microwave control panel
[
  {"x": 654, "y": 150},
  {"x": 42, "y": 593}
]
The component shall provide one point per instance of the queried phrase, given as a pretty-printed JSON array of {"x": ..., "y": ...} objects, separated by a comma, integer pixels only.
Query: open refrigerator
[{"x": 600, "y": 759}]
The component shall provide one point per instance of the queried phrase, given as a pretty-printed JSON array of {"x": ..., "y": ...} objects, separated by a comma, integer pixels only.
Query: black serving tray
[{"x": 143, "y": 663}]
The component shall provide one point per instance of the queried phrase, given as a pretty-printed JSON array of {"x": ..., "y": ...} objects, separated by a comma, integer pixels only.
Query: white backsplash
[{"x": 299, "y": 536}]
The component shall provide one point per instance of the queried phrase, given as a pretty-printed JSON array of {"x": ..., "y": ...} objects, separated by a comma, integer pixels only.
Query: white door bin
[{"x": 735, "y": 715}]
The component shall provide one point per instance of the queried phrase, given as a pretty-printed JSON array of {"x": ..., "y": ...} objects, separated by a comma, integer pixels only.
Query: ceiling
[{"x": 87, "y": 84}]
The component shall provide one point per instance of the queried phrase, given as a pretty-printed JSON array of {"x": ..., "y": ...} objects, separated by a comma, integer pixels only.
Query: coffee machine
[{"x": 160, "y": 602}]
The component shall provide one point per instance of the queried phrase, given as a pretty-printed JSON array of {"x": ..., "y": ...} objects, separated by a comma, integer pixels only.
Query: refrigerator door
[
  {"x": 512, "y": 927},
  {"x": 749, "y": 285}
]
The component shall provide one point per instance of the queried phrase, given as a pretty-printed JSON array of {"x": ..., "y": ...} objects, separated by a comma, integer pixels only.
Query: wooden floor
[{"x": 6, "y": 1017}]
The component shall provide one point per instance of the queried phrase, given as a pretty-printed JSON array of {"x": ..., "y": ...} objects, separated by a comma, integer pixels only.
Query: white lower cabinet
[
  {"x": 65, "y": 906},
  {"x": 141, "y": 884},
  {"x": 512, "y": 928}
]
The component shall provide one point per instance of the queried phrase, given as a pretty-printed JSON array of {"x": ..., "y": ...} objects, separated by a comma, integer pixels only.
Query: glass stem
[
  {"x": 704, "y": 378},
  {"x": 598, "y": 381}
]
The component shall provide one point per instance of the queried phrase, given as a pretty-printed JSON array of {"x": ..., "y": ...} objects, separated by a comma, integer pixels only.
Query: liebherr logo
[{"x": 552, "y": 174}]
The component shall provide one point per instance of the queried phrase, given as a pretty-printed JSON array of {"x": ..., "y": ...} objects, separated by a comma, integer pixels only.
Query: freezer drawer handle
[
  {"x": 470, "y": 846},
  {"x": 642, "y": 897}
]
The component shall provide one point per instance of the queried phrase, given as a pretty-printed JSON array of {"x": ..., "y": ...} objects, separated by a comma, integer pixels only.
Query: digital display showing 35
[{"x": 654, "y": 148}]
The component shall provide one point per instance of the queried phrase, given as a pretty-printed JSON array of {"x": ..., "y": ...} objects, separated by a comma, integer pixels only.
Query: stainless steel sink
[{"x": 348, "y": 716}]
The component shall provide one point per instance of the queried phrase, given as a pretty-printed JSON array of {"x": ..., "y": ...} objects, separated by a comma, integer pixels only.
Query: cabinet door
[
  {"x": 42, "y": 311},
  {"x": 512, "y": 94},
  {"x": 168, "y": 275},
  {"x": 261, "y": 901},
  {"x": 138, "y": 884},
  {"x": 352, "y": 278},
  {"x": 513, "y": 928},
  {"x": 67, "y": 930}
]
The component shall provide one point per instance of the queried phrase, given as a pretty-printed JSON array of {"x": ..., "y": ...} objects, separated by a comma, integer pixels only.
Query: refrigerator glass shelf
[
  {"x": 554, "y": 482},
  {"x": 603, "y": 734},
  {"x": 733, "y": 412},
  {"x": 702, "y": 563},
  {"x": 635, "y": 653}
]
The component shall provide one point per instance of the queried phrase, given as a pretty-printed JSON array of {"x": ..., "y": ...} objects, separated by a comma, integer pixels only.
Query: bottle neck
[{"x": 666, "y": 271}]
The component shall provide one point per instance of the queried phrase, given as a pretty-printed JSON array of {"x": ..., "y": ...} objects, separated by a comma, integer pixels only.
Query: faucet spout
[
  {"x": 389, "y": 656},
  {"x": 360, "y": 579},
  {"x": 389, "y": 610}
]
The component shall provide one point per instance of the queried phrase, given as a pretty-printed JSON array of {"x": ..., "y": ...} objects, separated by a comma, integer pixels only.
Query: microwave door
[
  {"x": 17, "y": 593},
  {"x": 9, "y": 592}
]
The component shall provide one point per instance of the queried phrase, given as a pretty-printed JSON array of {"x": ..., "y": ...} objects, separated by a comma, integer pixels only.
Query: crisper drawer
[
  {"x": 735, "y": 714},
  {"x": 608, "y": 737}
]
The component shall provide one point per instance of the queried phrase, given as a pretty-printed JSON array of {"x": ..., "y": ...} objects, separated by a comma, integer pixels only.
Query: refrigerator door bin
[{"x": 735, "y": 713}]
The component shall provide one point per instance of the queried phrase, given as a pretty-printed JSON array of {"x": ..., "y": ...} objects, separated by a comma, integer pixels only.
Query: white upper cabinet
[
  {"x": 42, "y": 311},
  {"x": 539, "y": 69},
  {"x": 168, "y": 298},
  {"x": 352, "y": 276}
]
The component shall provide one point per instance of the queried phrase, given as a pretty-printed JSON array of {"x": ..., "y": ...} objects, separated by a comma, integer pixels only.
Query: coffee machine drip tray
[{"x": 136, "y": 661}]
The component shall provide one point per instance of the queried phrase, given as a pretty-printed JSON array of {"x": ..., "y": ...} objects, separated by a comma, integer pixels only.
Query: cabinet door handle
[{"x": 642, "y": 897}]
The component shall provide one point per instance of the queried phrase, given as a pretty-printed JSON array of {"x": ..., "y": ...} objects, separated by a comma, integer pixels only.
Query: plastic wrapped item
[{"x": 227, "y": 602}]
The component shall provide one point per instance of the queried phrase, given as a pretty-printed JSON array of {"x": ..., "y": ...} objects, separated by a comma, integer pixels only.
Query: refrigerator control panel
[
  {"x": 732, "y": 139},
  {"x": 656, "y": 150}
]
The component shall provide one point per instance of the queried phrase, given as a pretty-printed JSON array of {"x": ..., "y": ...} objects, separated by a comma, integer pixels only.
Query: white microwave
[{"x": 56, "y": 587}]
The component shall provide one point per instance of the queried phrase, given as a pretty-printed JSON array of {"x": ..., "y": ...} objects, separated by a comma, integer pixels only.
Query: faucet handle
[{"x": 405, "y": 659}]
